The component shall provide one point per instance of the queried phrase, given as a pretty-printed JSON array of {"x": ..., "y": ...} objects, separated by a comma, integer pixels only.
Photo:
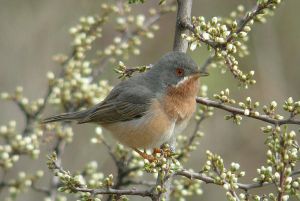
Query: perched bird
[{"x": 145, "y": 110}]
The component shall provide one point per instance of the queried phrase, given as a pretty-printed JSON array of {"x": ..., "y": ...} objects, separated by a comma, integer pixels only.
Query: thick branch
[
  {"x": 142, "y": 193},
  {"x": 239, "y": 111},
  {"x": 184, "y": 11}
]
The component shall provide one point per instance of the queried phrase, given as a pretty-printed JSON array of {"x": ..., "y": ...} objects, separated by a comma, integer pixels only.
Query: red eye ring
[{"x": 179, "y": 72}]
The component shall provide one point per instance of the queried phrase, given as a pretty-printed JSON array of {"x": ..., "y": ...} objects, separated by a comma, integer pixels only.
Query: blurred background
[{"x": 32, "y": 31}]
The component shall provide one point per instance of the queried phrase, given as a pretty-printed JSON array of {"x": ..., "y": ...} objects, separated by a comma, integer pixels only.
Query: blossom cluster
[{"x": 227, "y": 36}]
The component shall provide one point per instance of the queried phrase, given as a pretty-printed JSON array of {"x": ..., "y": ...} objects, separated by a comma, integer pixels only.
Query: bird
[{"x": 147, "y": 109}]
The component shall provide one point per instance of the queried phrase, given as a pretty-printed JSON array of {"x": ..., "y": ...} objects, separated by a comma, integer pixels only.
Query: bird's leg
[
  {"x": 150, "y": 158},
  {"x": 157, "y": 151}
]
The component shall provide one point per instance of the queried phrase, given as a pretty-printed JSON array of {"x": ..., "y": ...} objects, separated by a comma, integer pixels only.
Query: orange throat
[{"x": 180, "y": 102}]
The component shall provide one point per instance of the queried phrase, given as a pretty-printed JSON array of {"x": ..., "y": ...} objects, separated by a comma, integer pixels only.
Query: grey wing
[{"x": 121, "y": 105}]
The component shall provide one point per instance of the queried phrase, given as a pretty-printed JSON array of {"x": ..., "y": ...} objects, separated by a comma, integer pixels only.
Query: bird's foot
[
  {"x": 157, "y": 151},
  {"x": 150, "y": 158},
  {"x": 166, "y": 152}
]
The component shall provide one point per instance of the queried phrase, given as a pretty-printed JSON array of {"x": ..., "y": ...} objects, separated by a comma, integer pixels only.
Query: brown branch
[
  {"x": 256, "y": 10},
  {"x": 210, "y": 180},
  {"x": 239, "y": 111},
  {"x": 184, "y": 12},
  {"x": 110, "y": 191},
  {"x": 59, "y": 149}
]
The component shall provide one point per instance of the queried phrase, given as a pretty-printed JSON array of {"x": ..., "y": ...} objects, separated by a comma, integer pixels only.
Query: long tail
[{"x": 66, "y": 117}]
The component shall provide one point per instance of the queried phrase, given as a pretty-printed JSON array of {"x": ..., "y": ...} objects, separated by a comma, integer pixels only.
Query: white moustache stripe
[{"x": 185, "y": 78}]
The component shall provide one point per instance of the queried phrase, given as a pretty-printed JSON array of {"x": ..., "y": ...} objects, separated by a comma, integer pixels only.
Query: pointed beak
[{"x": 200, "y": 73}]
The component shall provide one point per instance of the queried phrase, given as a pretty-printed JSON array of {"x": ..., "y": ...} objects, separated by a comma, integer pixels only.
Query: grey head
[{"x": 174, "y": 67}]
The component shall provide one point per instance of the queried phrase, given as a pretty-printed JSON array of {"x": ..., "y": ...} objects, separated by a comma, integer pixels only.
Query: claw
[{"x": 163, "y": 151}]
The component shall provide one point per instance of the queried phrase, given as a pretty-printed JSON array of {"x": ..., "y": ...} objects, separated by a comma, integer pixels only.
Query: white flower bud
[
  {"x": 214, "y": 20},
  {"x": 206, "y": 36},
  {"x": 274, "y": 104},
  {"x": 242, "y": 34},
  {"x": 285, "y": 197},
  {"x": 277, "y": 176},
  {"x": 90, "y": 20},
  {"x": 288, "y": 180},
  {"x": 247, "y": 112},
  {"x": 229, "y": 47},
  {"x": 24, "y": 101},
  {"x": 226, "y": 186},
  {"x": 98, "y": 130},
  {"x": 3, "y": 129},
  {"x": 247, "y": 28},
  {"x": 295, "y": 184},
  {"x": 292, "y": 134},
  {"x": 4, "y": 155},
  {"x": 193, "y": 46},
  {"x": 50, "y": 75},
  {"x": 290, "y": 100},
  {"x": 40, "y": 173},
  {"x": 4, "y": 96}
]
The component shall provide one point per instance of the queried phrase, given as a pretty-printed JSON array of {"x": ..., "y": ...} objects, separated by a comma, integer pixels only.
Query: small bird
[{"x": 146, "y": 110}]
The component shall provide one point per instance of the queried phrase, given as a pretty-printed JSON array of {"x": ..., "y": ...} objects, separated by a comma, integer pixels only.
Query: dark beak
[
  {"x": 201, "y": 73},
  {"x": 204, "y": 74}
]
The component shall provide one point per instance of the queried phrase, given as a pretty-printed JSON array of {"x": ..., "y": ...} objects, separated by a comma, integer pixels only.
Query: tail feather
[{"x": 66, "y": 117}]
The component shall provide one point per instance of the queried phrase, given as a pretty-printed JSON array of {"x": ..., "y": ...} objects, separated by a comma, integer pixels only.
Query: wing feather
[{"x": 121, "y": 105}]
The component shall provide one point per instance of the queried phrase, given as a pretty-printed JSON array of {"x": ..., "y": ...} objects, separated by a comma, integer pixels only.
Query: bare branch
[
  {"x": 110, "y": 191},
  {"x": 239, "y": 111},
  {"x": 184, "y": 12},
  {"x": 210, "y": 180}
]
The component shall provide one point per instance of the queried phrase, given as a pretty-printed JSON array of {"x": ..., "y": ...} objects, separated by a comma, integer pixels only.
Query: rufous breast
[{"x": 179, "y": 102}]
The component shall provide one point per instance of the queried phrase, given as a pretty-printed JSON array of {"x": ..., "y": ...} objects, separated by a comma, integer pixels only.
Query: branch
[
  {"x": 110, "y": 191},
  {"x": 239, "y": 111},
  {"x": 191, "y": 139},
  {"x": 210, "y": 180},
  {"x": 59, "y": 149},
  {"x": 129, "y": 34},
  {"x": 256, "y": 10},
  {"x": 184, "y": 12}
]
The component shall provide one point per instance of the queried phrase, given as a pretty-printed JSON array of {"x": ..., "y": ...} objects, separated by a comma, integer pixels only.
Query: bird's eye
[{"x": 179, "y": 72}]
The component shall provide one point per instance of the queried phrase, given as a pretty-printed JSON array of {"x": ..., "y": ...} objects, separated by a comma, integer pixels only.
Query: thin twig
[
  {"x": 59, "y": 149},
  {"x": 192, "y": 137},
  {"x": 127, "y": 35}
]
